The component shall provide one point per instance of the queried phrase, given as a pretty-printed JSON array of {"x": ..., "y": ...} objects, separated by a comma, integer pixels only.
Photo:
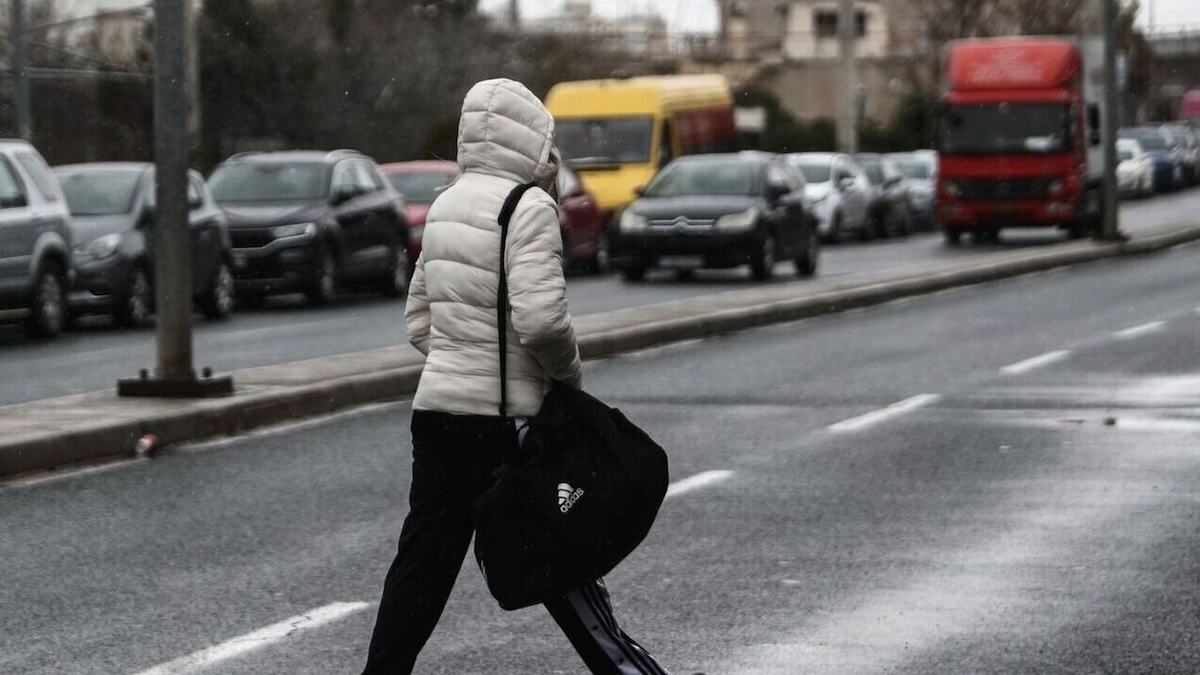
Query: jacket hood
[{"x": 506, "y": 131}]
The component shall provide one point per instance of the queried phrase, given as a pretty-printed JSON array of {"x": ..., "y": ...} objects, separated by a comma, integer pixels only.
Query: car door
[{"x": 19, "y": 229}]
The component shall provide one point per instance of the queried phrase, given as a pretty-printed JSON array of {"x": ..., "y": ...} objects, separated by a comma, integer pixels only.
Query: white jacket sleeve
[
  {"x": 416, "y": 309},
  {"x": 537, "y": 290}
]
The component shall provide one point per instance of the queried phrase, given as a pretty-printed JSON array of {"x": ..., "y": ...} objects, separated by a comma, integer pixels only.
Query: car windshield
[
  {"x": 269, "y": 182},
  {"x": 814, "y": 172},
  {"x": 914, "y": 169},
  {"x": 873, "y": 170},
  {"x": 692, "y": 178},
  {"x": 599, "y": 142},
  {"x": 107, "y": 192},
  {"x": 419, "y": 187},
  {"x": 1005, "y": 128}
]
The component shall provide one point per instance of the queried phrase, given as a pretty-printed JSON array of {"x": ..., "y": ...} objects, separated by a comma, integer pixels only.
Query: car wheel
[
  {"x": 48, "y": 306},
  {"x": 904, "y": 227},
  {"x": 599, "y": 262},
  {"x": 764, "y": 262},
  {"x": 395, "y": 285},
  {"x": 634, "y": 273},
  {"x": 217, "y": 301},
  {"x": 323, "y": 287},
  {"x": 136, "y": 305},
  {"x": 806, "y": 262},
  {"x": 835, "y": 229}
]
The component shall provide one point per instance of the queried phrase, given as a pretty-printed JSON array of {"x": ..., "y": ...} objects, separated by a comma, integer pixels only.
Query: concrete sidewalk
[{"x": 99, "y": 426}]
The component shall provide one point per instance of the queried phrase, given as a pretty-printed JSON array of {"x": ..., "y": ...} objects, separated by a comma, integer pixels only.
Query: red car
[
  {"x": 584, "y": 243},
  {"x": 584, "y": 240},
  {"x": 420, "y": 181}
]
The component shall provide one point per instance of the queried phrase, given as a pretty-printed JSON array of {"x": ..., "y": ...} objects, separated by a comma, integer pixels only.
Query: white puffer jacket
[{"x": 504, "y": 139}]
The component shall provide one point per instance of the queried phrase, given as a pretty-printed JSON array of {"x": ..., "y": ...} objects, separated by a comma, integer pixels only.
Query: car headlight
[
  {"x": 293, "y": 230},
  {"x": 738, "y": 222},
  {"x": 99, "y": 248},
  {"x": 632, "y": 222}
]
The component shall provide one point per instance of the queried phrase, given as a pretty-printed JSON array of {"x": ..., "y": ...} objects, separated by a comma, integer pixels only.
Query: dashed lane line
[
  {"x": 1138, "y": 331},
  {"x": 876, "y": 416},
  {"x": 1036, "y": 362},
  {"x": 206, "y": 658}
]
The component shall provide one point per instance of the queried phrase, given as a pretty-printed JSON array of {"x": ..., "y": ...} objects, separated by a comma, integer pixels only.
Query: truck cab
[{"x": 1019, "y": 143}]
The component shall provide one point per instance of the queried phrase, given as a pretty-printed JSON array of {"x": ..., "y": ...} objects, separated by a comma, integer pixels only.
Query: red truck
[{"x": 1019, "y": 140}]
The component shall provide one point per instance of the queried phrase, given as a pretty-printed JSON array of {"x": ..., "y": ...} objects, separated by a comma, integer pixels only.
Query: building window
[{"x": 825, "y": 22}]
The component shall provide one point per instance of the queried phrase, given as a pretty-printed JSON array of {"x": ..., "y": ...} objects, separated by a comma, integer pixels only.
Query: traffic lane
[{"x": 288, "y": 330}]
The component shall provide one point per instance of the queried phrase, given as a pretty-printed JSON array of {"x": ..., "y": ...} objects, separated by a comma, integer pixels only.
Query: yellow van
[{"x": 617, "y": 133}]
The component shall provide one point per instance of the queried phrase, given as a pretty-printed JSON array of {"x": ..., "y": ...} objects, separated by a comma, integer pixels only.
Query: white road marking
[
  {"x": 1036, "y": 362},
  {"x": 1138, "y": 331},
  {"x": 698, "y": 481},
  {"x": 249, "y": 642},
  {"x": 875, "y": 417}
]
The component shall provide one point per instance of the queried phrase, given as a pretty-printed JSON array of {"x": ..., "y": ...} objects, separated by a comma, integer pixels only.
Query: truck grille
[{"x": 1019, "y": 189}]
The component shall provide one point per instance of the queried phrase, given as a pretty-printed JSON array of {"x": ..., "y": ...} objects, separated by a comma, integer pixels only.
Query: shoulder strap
[{"x": 506, "y": 212}]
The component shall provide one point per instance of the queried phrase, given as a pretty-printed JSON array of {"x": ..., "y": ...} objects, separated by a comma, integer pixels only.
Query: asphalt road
[
  {"x": 996, "y": 479},
  {"x": 94, "y": 357}
]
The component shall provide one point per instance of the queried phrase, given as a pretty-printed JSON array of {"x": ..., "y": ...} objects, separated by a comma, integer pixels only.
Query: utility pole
[
  {"x": 174, "y": 377},
  {"x": 20, "y": 70},
  {"x": 847, "y": 127},
  {"x": 1110, "y": 229}
]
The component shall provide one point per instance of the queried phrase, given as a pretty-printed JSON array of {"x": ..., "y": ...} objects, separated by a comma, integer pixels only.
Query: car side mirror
[
  {"x": 639, "y": 190},
  {"x": 344, "y": 194},
  {"x": 844, "y": 182},
  {"x": 194, "y": 202},
  {"x": 777, "y": 191}
]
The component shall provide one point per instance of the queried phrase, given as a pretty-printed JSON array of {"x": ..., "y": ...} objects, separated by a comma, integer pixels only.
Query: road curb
[{"x": 114, "y": 425}]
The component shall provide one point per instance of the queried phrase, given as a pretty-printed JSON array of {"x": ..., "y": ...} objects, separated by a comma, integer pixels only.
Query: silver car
[{"x": 839, "y": 193}]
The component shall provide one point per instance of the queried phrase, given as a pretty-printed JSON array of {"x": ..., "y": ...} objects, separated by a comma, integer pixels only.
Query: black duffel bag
[{"x": 574, "y": 498}]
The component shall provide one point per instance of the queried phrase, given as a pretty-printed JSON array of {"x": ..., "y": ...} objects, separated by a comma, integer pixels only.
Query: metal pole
[
  {"x": 172, "y": 253},
  {"x": 847, "y": 131},
  {"x": 20, "y": 71},
  {"x": 1110, "y": 228}
]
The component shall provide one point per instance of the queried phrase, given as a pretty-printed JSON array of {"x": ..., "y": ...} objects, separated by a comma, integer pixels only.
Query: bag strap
[{"x": 506, "y": 212}]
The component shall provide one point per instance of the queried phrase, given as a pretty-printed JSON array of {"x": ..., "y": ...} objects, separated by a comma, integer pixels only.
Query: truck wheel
[
  {"x": 48, "y": 306},
  {"x": 952, "y": 237},
  {"x": 633, "y": 273}
]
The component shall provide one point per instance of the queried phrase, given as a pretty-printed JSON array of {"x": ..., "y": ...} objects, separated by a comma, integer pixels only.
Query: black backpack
[{"x": 571, "y": 501}]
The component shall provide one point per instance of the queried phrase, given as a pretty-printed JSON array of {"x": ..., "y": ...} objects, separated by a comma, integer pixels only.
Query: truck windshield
[
  {"x": 1005, "y": 128},
  {"x": 599, "y": 142}
]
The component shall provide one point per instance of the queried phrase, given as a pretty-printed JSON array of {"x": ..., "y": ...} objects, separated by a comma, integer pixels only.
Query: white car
[
  {"x": 920, "y": 169},
  {"x": 839, "y": 193},
  {"x": 1135, "y": 169}
]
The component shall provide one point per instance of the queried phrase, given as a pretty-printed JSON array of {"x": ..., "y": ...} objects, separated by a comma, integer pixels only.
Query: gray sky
[{"x": 701, "y": 15}]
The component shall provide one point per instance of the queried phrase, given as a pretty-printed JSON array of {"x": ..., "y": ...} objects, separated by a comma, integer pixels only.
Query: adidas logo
[{"x": 567, "y": 496}]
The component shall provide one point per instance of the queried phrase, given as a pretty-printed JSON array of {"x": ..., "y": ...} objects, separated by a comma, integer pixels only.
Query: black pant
[{"x": 453, "y": 460}]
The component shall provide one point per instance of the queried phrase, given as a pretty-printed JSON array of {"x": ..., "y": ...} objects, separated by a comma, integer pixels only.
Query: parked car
[
  {"x": 112, "y": 226},
  {"x": 585, "y": 242},
  {"x": 1135, "y": 169},
  {"x": 888, "y": 204},
  {"x": 419, "y": 182},
  {"x": 35, "y": 241},
  {"x": 719, "y": 210},
  {"x": 920, "y": 170},
  {"x": 1168, "y": 170},
  {"x": 838, "y": 191},
  {"x": 312, "y": 222}
]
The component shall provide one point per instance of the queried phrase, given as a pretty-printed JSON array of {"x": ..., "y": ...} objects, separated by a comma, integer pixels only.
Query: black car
[
  {"x": 311, "y": 222},
  {"x": 720, "y": 210},
  {"x": 112, "y": 226},
  {"x": 889, "y": 207}
]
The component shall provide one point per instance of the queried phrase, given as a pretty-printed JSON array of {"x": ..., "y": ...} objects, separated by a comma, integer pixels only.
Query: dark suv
[
  {"x": 311, "y": 222},
  {"x": 35, "y": 241}
]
